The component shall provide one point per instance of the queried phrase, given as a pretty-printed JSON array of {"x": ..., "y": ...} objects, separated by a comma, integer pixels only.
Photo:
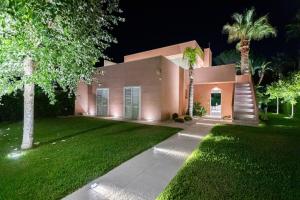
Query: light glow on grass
[{"x": 15, "y": 155}]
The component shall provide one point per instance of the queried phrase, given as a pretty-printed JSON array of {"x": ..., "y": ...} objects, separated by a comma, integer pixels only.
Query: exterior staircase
[{"x": 244, "y": 105}]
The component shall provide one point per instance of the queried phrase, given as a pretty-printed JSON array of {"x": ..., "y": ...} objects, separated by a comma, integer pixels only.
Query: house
[{"x": 152, "y": 85}]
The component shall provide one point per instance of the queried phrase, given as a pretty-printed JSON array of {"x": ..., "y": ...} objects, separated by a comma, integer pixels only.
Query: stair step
[
  {"x": 244, "y": 116},
  {"x": 243, "y": 96},
  {"x": 239, "y": 110},
  {"x": 244, "y": 112},
  {"x": 243, "y": 100},
  {"x": 243, "y": 84},
  {"x": 244, "y": 105}
]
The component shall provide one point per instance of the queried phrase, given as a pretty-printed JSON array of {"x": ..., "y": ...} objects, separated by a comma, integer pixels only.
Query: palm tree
[
  {"x": 265, "y": 66},
  {"x": 190, "y": 54},
  {"x": 244, "y": 29}
]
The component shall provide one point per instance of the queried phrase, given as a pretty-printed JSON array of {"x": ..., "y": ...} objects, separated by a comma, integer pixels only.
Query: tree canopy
[
  {"x": 64, "y": 38},
  {"x": 245, "y": 27}
]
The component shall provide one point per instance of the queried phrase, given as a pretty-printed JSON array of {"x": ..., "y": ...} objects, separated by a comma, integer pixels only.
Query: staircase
[{"x": 244, "y": 108}]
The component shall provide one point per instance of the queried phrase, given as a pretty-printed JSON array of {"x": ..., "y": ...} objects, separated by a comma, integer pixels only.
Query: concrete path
[{"x": 146, "y": 175}]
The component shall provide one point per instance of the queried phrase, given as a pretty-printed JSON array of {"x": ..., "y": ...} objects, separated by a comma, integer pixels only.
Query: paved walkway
[{"x": 146, "y": 175}]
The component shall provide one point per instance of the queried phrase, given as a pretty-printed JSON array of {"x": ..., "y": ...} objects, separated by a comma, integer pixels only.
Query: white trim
[
  {"x": 140, "y": 100},
  {"x": 107, "y": 112},
  {"x": 215, "y": 90}
]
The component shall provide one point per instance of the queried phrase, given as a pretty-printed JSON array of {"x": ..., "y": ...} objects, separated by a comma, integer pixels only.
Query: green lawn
[
  {"x": 238, "y": 162},
  {"x": 71, "y": 152}
]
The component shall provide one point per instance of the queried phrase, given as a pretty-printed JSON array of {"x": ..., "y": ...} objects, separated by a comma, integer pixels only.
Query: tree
[
  {"x": 291, "y": 90},
  {"x": 265, "y": 66},
  {"x": 191, "y": 54},
  {"x": 244, "y": 29},
  {"x": 274, "y": 91},
  {"x": 293, "y": 33},
  {"x": 51, "y": 43},
  {"x": 227, "y": 57}
]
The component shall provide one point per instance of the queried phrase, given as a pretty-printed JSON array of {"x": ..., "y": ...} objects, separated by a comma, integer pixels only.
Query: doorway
[
  {"x": 132, "y": 102},
  {"x": 216, "y": 103},
  {"x": 102, "y": 99}
]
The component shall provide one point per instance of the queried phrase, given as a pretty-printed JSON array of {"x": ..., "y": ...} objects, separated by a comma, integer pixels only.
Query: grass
[
  {"x": 238, "y": 162},
  {"x": 69, "y": 153}
]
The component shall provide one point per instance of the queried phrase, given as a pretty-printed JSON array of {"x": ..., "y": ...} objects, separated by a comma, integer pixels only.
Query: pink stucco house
[{"x": 152, "y": 85}]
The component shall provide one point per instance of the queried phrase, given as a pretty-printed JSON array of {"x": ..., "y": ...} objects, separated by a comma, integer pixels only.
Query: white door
[
  {"x": 102, "y": 101},
  {"x": 216, "y": 103},
  {"x": 132, "y": 102}
]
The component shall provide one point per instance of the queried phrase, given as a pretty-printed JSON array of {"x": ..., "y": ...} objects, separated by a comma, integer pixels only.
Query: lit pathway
[{"x": 146, "y": 175}]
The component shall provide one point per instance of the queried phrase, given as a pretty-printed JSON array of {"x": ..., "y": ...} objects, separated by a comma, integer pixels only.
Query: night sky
[{"x": 157, "y": 23}]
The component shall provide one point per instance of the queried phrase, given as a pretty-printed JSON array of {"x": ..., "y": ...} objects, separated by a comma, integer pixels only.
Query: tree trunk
[
  {"x": 28, "y": 106},
  {"x": 292, "y": 114},
  {"x": 260, "y": 79},
  {"x": 191, "y": 93},
  {"x": 277, "y": 109},
  {"x": 245, "y": 48}
]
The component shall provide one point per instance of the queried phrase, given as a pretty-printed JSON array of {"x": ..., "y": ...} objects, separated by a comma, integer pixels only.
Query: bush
[
  {"x": 188, "y": 118},
  {"x": 198, "y": 110},
  {"x": 180, "y": 120},
  {"x": 11, "y": 106},
  {"x": 175, "y": 116}
]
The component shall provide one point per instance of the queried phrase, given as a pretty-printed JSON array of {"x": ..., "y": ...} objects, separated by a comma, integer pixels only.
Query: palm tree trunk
[
  {"x": 277, "y": 109},
  {"x": 260, "y": 79},
  {"x": 245, "y": 48},
  {"x": 191, "y": 93},
  {"x": 28, "y": 106}
]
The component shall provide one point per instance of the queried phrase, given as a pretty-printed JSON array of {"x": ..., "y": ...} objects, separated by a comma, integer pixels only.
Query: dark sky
[{"x": 156, "y": 23}]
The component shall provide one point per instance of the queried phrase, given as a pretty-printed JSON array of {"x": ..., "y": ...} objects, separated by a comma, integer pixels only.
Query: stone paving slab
[{"x": 145, "y": 176}]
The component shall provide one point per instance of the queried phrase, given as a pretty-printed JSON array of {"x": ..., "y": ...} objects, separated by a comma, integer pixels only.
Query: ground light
[{"x": 15, "y": 155}]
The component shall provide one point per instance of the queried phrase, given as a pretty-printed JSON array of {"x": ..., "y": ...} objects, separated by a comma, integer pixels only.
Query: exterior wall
[
  {"x": 217, "y": 74},
  {"x": 81, "y": 102},
  {"x": 207, "y": 58},
  {"x": 165, "y": 51},
  {"x": 144, "y": 73},
  {"x": 203, "y": 94},
  {"x": 169, "y": 88}
]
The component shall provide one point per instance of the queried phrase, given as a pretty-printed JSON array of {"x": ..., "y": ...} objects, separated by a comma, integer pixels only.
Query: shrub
[
  {"x": 188, "y": 118},
  {"x": 198, "y": 110},
  {"x": 11, "y": 106},
  {"x": 180, "y": 120},
  {"x": 175, "y": 116}
]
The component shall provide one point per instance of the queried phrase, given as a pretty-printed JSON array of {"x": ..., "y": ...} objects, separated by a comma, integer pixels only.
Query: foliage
[
  {"x": 293, "y": 29},
  {"x": 245, "y": 27},
  {"x": 72, "y": 151},
  {"x": 179, "y": 119},
  {"x": 287, "y": 89},
  {"x": 175, "y": 116},
  {"x": 64, "y": 39},
  {"x": 227, "y": 57},
  {"x": 241, "y": 162},
  {"x": 190, "y": 55},
  {"x": 188, "y": 118},
  {"x": 198, "y": 110},
  {"x": 11, "y": 107}
]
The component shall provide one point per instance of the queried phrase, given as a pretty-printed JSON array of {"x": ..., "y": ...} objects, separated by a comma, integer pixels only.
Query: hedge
[{"x": 11, "y": 107}]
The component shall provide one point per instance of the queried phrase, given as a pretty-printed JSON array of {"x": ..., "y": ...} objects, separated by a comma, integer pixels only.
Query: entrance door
[
  {"x": 132, "y": 102},
  {"x": 216, "y": 103},
  {"x": 102, "y": 101}
]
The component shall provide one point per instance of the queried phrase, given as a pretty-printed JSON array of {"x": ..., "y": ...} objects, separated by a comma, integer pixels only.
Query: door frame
[
  {"x": 219, "y": 89},
  {"x": 140, "y": 100},
  {"x": 107, "y": 101}
]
